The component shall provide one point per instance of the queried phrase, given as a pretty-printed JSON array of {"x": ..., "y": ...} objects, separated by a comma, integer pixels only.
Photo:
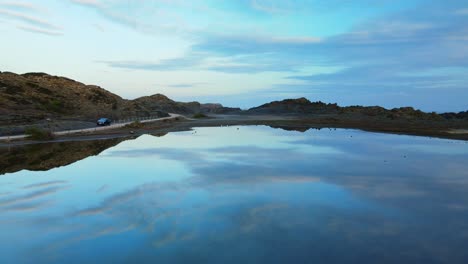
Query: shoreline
[{"x": 302, "y": 124}]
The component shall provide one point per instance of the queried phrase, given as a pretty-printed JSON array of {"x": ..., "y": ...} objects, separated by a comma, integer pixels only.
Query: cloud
[
  {"x": 398, "y": 56},
  {"x": 384, "y": 75},
  {"x": 126, "y": 197},
  {"x": 40, "y": 31},
  {"x": 182, "y": 85},
  {"x": 106, "y": 10},
  {"x": 257, "y": 174},
  {"x": 232, "y": 54},
  {"x": 31, "y": 196},
  {"x": 182, "y": 63},
  {"x": 249, "y": 44},
  {"x": 23, "y": 6},
  {"x": 28, "y": 19},
  {"x": 268, "y": 6},
  {"x": 89, "y": 3},
  {"x": 99, "y": 27},
  {"x": 149, "y": 17},
  {"x": 43, "y": 184},
  {"x": 28, "y": 15},
  {"x": 186, "y": 85},
  {"x": 28, "y": 206},
  {"x": 462, "y": 12},
  {"x": 278, "y": 7}
]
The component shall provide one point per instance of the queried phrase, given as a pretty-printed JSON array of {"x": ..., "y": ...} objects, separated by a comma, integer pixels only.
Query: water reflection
[
  {"x": 247, "y": 194},
  {"x": 51, "y": 155}
]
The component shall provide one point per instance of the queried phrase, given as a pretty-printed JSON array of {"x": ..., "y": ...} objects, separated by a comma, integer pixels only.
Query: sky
[{"x": 244, "y": 53}]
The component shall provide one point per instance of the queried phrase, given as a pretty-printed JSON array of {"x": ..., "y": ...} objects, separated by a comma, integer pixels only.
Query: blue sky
[{"x": 247, "y": 52}]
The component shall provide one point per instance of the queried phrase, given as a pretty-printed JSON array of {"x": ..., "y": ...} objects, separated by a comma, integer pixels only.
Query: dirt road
[{"x": 93, "y": 129}]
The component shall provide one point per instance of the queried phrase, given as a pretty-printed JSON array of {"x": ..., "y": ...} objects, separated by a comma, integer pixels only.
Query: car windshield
[{"x": 102, "y": 120}]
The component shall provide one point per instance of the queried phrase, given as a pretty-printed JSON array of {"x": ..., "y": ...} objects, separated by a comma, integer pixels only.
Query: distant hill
[
  {"x": 461, "y": 115},
  {"x": 30, "y": 97},
  {"x": 304, "y": 107},
  {"x": 294, "y": 106},
  {"x": 159, "y": 102}
]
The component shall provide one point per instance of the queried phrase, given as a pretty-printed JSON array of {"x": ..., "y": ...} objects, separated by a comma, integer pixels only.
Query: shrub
[
  {"x": 38, "y": 133},
  {"x": 55, "y": 106},
  {"x": 199, "y": 115},
  {"x": 136, "y": 124}
]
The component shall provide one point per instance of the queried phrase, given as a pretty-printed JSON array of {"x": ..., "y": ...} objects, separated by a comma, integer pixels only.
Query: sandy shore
[{"x": 458, "y": 131}]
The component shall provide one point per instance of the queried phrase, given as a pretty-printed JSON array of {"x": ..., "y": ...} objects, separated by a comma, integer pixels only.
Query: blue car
[{"x": 103, "y": 122}]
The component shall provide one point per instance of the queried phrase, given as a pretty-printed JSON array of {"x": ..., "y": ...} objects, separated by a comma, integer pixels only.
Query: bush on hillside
[
  {"x": 37, "y": 133},
  {"x": 134, "y": 125},
  {"x": 200, "y": 115}
]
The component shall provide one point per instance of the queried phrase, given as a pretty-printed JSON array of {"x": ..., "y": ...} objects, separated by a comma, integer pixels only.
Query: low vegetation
[
  {"x": 37, "y": 133},
  {"x": 199, "y": 115},
  {"x": 135, "y": 125},
  {"x": 54, "y": 105}
]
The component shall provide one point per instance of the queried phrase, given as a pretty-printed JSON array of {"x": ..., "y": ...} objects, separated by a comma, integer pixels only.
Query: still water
[{"x": 237, "y": 195}]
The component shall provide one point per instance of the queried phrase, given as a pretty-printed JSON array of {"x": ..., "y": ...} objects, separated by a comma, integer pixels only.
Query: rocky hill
[
  {"x": 218, "y": 109},
  {"x": 461, "y": 115},
  {"x": 294, "y": 107},
  {"x": 304, "y": 107},
  {"x": 32, "y": 97},
  {"x": 159, "y": 102}
]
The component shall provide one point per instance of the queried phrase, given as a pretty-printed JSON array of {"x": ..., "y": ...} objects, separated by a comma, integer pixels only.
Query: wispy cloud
[
  {"x": 32, "y": 20},
  {"x": 28, "y": 206},
  {"x": 185, "y": 85},
  {"x": 32, "y": 196},
  {"x": 229, "y": 44},
  {"x": 90, "y": 3},
  {"x": 270, "y": 7},
  {"x": 29, "y": 18},
  {"x": 44, "y": 184},
  {"x": 233, "y": 54},
  {"x": 463, "y": 11},
  {"x": 24, "y": 6},
  {"x": 181, "y": 63},
  {"x": 99, "y": 27},
  {"x": 40, "y": 31},
  {"x": 181, "y": 85},
  {"x": 107, "y": 10}
]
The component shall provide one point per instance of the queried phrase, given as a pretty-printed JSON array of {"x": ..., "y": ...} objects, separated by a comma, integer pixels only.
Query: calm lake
[{"x": 237, "y": 195}]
